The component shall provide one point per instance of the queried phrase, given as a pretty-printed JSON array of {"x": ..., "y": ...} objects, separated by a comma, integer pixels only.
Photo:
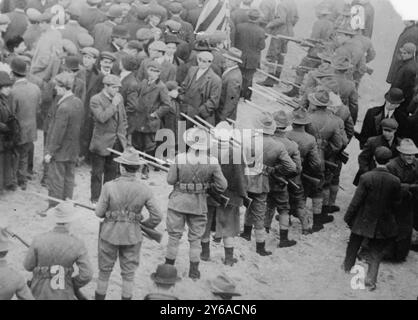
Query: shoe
[
  {"x": 307, "y": 231},
  {"x": 317, "y": 224},
  {"x": 11, "y": 187},
  {"x": 126, "y": 298},
  {"x": 99, "y": 296},
  {"x": 194, "y": 272},
  {"x": 205, "y": 254},
  {"x": 294, "y": 92},
  {"x": 229, "y": 257},
  {"x": 170, "y": 261},
  {"x": 284, "y": 240},
  {"x": 268, "y": 82},
  {"x": 23, "y": 186},
  {"x": 370, "y": 286},
  {"x": 333, "y": 208},
  {"x": 261, "y": 249},
  {"x": 247, "y": 233},
  {"x": 267, "y": 229},
  {"x": 324, "y": 218}
]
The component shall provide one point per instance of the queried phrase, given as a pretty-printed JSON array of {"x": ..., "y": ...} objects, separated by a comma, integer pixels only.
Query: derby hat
[
  {"x": 72, "y": 63},
  {"x": 130, "y": 157},
  {"x": 282, "y": 119},
  {"x": 18, "y": 66},
  {"x": 223, "y": 285},
  {"x": 407, "y": 146},
  {"x": 5, "y": 80},
  {"x": 320, "y": 97},
  {"x": 395, "y": 96},
  {"x": 233, "y": 54},
  {"x": 165, "y": 274},
  {"x": 265, "y": 122},
  {"x": 112, "y": 80},
  {"x": 300, "y": 116},
  {"x": 196, "y": 138},
  {"x": 64, "y": 212}
]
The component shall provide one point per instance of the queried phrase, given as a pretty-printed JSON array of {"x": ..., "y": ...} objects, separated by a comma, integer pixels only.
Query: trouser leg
[
  {"x": 129, "y": 262},
  {"x": 210, "y": 217},
  {"x": 56, "y": 177},
  {"x": 31, "y": 155},
  {"x": 69, "y": 179},
  {"x": 107, "y": 255},
  {"x": 196, "y": 225},
  {"x": 2, "y": 167},
  {"x": 175, "y": 228},
  {"x": 377, "y": 251},
  {"x": 22, "y": 167},
  {"x": 354, "y": 244},
  {"x": 96, "y": 181}
]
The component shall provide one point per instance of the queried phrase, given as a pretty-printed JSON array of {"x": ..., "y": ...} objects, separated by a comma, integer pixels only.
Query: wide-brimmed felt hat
[
  {"x": 282, "y": 119},
  {"x": 64, "y": 212},
  {"x": 233, "y": 54},
  {"x": 165, "y": 274},
  {"x": 265, "y": 121},
  {"x": 4, "y": 240},
  {"x": 407, "y": 146},
  {"x": 5, "y": 80},
  {"x": 129, "y": 157},
  {"x": 196, "y": 138},
  {"x": 18, "y": 66},
  {"x": 300, "y": 116},
  {"x": 395, "y": 96},
  {"x": 320, "y": 97},
  {"x": 223, "y": 285}
]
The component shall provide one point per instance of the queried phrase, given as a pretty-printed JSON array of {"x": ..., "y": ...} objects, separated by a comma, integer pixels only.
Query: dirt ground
[{"x": 309, "y": 270}]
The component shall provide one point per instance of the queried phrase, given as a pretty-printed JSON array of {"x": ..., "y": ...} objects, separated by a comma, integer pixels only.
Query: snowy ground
[{"x": 309, "y": 270}]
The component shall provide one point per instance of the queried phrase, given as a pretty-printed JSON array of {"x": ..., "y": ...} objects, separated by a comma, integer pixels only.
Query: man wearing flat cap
[
  {"x": 91, "y": 15},
  {"x": 372, "y": 215},
  {"x": 388, "y": 139},
  {"x": 109, "y": 131},
  {"x": 107, "y": 61},
  {"x": 63, "y": 139},
  {"x": 202, "y": 89},
  {"x": 102, "y": 32},
  {"x": 374, "y": 116}
]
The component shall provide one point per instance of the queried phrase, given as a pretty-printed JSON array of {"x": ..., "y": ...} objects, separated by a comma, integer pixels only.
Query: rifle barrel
[
  {"x": 147, "y": 161},
  {"x": 277, "y": 79}
]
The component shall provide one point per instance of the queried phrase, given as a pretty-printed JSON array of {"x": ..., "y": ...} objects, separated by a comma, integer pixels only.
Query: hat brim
[
  {"x": 387, "y": 98},
  {"x": 409, "y": 152},
  {"x": 68, "y": 219},
  {"x": 232, "y": 58},
  {"x": 324, "y": 57},
  {"x": 164, "y": 281},
  {"x": 19, "y": 73},
  {"x": 316, "y": 102},
  {"x": 337, "y": 67},
  {"x": 301, "y": 122}
]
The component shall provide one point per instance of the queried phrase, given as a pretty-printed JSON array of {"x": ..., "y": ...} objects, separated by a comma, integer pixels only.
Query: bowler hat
[
  {"x": 196, "y": 138},
  {"x": 4, "y": 240},
  {"x": 115, "y": 11},
  {"x": 407, "y": 146},
  {"x": 72, "y": 63},
  {"x": 265, "y": 122},
  {"x": 18, "y": 66},
  {"x": 382, "y": 154},
  {"x": 64, "y": 79},
  {"x": 320, "y": 97},
  {"x": 395, "y": 96},
  {"x": 282, "y": 119},
  {"x": 130, "y": 157},
  {"x": 224, "y": 286},
  {"x": 165, "y": 274},
  {"x": 64, "y": 212},
  {"x": 233, "y": 54},
  {"x": 107, "y": 55},
  {"x": 5, "y": 80},
  {"x": 300, "y": 116},
  {"x": 93, "y": 52},
  {"x": 390, "y": 124},
  {"x": 112, "y": 80},
  {"x": 120, "y": 32}
]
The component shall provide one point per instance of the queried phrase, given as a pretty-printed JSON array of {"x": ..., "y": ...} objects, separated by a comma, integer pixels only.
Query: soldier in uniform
[
  {"x": 269, "y": 162},
  {"x": 327, "y": 132},
  {"x": 281, "y": 194},
  {"x": 120, "y": 204},
  {"x": 52, "y": 255},
  {"x": 192, "y": 174},
  {"x": 11, "y": 282},
  {"x": 250, "y": 39},
  {"x": 310, "y": 159}
]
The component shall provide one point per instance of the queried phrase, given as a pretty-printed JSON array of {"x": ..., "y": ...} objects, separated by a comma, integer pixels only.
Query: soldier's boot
[
  {"x": 194, "y": 272},
  {"x": 333, "y": 191},
  {"x": 247, "y": 233},
  {"x": 127, "y": 288},
  {"x": 294, "y": 92},
  {"x": 284, "y": 240},
  {"x": 170, "y": 261},
  {"x": 261, "y": 249},
  {"x": 98, "y": 296},
  {"x": 205, "y": 254},
  {"x": 229, "y": 257},
  {"x": 268, "y": 82}
]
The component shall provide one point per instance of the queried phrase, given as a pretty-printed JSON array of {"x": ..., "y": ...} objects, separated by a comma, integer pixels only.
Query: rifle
[
  {"x": 148, "y": 232},
  {"x": 311, "y": 43},
  {"x": 315, "y": 181},
  {"x": 291, "y": 67},
  {"x": 77, "y": 292},
  {"x": 277, "y": 79}
]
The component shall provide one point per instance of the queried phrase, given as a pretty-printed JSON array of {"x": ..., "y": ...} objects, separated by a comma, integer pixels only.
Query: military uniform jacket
[
  {"x": 231, "y": 91},
  {"x": 12, "y": 283},
  {"x": 349, "y": 95},
  {"x": 344, "y": 113},
  {"x": 251, "y": 40},
  {"x": 372, "y": 211},
  {"x": 193, "y": 169},
  {"x": 120, "y": 204},
  {"x": 63, "y": 140},
  {"x": 51, "y": 258},
  {"x": 109, "y": 124},
  {"x": 202, "y": 95},
  {"x": 276, "y": 15}
]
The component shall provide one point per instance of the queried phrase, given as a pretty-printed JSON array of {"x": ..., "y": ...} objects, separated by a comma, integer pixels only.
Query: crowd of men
[{"x": 101, "y": 86}]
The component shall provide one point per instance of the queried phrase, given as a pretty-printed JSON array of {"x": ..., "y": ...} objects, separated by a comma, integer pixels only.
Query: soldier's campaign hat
[
  {"x": 254, "y": 14},
  {"x": 346, "y": 30},
  {"x": 341, "y": 63},
  {"x": 222, "y": 285},
  {"x": 120, "y": 32},
  {"x": 144, "y": 34},
  {"x": 407, "y": 146},
  {"x": 166, "y": 274},
  {"x": 5, "y": 80},
  {"x": 18, "y": 66},
  {"x": 320, "y": 97},
  {"x": 130, "y": 157},
  {"x": 4, "y": 240},
  {"x": 112, "y": 80},
  {"x": 324, "y": 70},
  {"x": 175, "y": 7},
  {"x": 265, "y": 121},
  {"x": 300, "y": 116},
  {"x": 382, "y": 154},
  {"x": 282, "y": 119},
  {"x": 64, "y": 79},
  {"x": 157, "y": 46},
  {"x": 233, "y": 54},
  {"x": 115, "y": 11},
  {"x": 72, "y": 63},
  {"x": 33, "y": 15},
  {"x": 155, "y": 66},
  {"x": 389, "y": 124},
  {"x": 223, "y": 131},
  {"x": 129, "y": 62},
  {"x": 85, "y": 40},
  {"x": 170, "y": 38},
  {"x": 174, "y": 26},
  {"x": 171, "y": 85},
  {"x": 4, "y": 19},
  {"x": 94, "y": 2},
  {"x": 69, "y": 47},
  {"x": 196, "y": 138},
  {"x": 135, "y": 44},
  {"x": 395, "y": 96},
  {"x": 107, "y": 55},
  {"x": 64, "y": 212},
  {"x": 92, "y": 52}
]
